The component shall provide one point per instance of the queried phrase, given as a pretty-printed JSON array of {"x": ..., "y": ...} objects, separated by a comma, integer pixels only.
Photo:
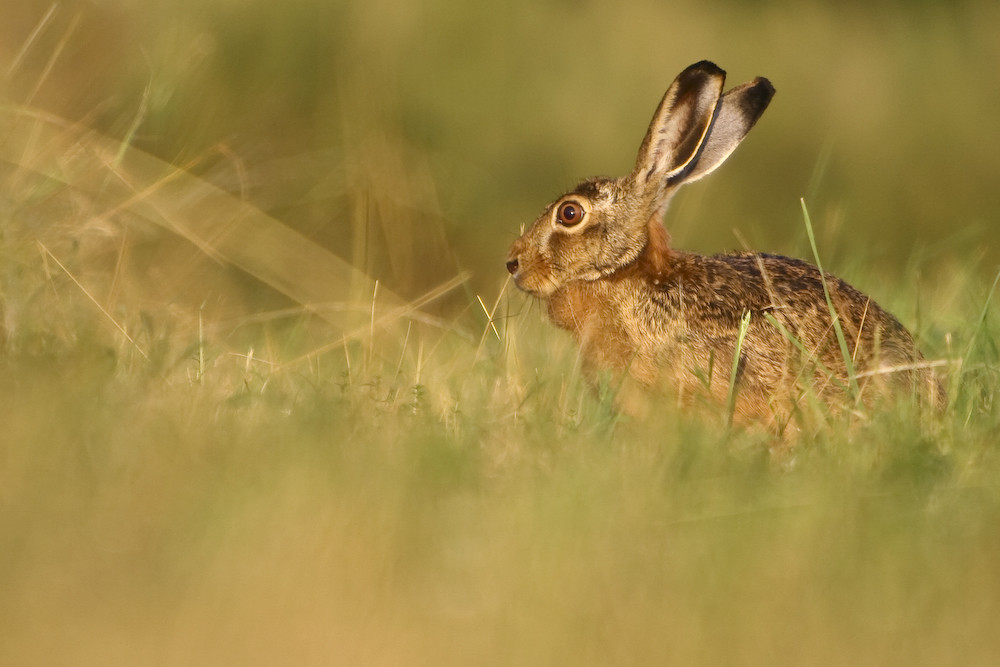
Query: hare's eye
[{"x": 569, "y": 214}]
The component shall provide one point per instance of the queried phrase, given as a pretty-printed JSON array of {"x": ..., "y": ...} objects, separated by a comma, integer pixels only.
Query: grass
[
  {"x": 735, "y": 368},
  {"x": 224, "y": 442},
  {"x": 846, "y": 355},
  {"x": 271, "y": 514}
]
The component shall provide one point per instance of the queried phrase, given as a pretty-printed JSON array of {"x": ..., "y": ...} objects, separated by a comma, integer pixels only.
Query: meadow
[{"x": 268, "y": 396}]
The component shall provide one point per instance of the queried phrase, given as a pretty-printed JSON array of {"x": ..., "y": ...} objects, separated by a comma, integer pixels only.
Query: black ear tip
[
  {"x": 706, "y": 67},
  {"x": 758, "y": 96},
  {"x": 764, "y": 86}
]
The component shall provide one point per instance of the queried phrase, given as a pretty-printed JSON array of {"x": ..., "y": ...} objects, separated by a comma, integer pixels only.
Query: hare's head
[{"x": 603, "y": 224}]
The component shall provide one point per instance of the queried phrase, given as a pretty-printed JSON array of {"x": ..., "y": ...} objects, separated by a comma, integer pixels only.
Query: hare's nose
[{"x": 512, "y": 265}]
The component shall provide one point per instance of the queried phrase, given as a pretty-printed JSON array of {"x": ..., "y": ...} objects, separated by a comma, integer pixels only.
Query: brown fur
[{"x": 657, "y": 318}]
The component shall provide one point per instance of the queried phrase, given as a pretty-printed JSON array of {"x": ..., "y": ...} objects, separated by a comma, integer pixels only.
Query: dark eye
[{"x": 570, "y": 214}]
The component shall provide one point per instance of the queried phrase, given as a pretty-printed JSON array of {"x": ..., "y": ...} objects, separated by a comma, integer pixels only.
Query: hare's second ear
[
  {"x": 738, "y": 110},
  {"x": 679, "y": 127}
]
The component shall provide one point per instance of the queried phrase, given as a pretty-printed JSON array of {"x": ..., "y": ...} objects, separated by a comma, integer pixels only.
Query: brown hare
[{"x": 652, "y": 318}]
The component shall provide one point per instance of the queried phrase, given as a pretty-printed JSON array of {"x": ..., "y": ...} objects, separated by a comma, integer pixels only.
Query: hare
[{"x": 651, "y": 318}]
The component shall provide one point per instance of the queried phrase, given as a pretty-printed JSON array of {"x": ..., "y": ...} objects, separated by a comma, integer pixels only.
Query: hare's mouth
[
  {"x": 537, "y": 286},
  {"x": 531, "y": 282}
]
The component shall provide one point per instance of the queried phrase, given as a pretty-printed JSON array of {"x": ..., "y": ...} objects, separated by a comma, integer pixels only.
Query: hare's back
[
  {"x": 793, "y": 292},
  {"x": 716, "y": 291}
]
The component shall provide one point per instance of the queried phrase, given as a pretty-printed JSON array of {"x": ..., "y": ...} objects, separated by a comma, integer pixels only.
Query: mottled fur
[{"x": 657, "y": 318}]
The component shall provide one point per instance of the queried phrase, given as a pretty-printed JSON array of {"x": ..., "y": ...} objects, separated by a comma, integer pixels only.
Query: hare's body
[
  {"x": 671, "y": 321},
  {"x": 658, "y": 318}
]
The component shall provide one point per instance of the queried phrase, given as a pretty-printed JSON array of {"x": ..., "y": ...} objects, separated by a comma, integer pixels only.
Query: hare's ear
[
  {"x": 679, "y": 127},
  {"x": 738, "y": 110}
]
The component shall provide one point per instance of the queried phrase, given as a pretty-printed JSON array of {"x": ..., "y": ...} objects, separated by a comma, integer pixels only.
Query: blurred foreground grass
[
  {"x": 452, "y": 512},
  {"x": 225, "y": 442}
]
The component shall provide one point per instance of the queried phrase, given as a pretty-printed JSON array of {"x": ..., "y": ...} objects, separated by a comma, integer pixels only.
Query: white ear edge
[{"x": 680, "y": 126}]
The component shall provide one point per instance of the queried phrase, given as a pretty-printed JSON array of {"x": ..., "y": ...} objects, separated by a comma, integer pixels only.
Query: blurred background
[
  {"x": 414, "y": 139},
  {"x": 222, "y": 444}
]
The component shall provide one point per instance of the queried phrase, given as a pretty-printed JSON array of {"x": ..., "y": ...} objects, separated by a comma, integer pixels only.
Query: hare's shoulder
[{"x": 718, "y": 288}]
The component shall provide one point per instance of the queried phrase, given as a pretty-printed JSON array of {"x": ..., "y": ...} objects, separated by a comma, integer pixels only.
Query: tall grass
[{"x": 255, "y": 411}]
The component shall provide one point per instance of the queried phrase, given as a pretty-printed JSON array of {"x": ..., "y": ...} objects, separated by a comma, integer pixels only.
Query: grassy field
[{"x": 268, "y": 398}]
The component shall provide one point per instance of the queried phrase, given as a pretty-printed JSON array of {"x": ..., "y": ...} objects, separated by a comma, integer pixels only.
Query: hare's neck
[
  {"x": 597, "y": 314},
  {"x": 657, "y": 259},
  {"x": 585, "y": 307},
  {"x": 581, "y": 305}
]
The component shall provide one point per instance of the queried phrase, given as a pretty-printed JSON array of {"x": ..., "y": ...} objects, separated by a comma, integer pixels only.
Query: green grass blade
[
  {"x": 976, "y": 333},
  {"x": 852, "y": 380},
  {"x": 737, "y": 353},
  {"x": 807, "y": 355}
]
